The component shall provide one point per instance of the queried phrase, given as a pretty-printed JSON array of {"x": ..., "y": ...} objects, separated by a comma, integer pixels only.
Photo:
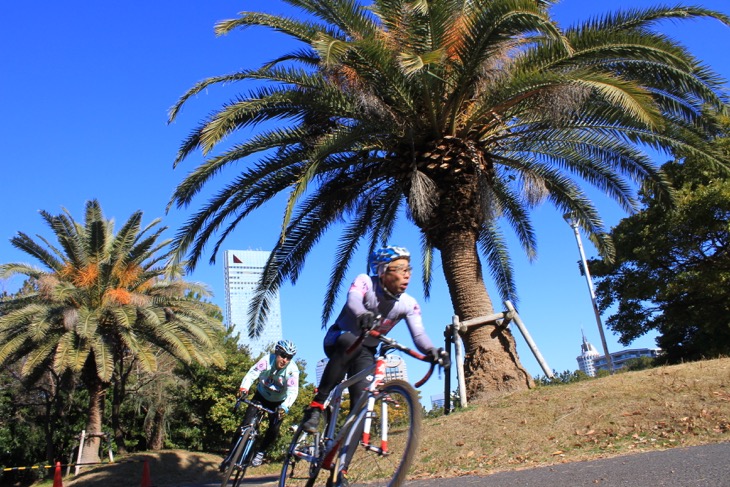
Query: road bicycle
[
  {"x": 375, "y": 443},
  {"x": 242, "y": 452}
]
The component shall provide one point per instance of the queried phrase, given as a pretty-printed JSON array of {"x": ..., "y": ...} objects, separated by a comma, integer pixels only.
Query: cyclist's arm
[
  {"x": 356, "y": 295},
  {"x": 254, "y": 372},
  {"x": 414, "y": 321},
  {"x": 292, "y": 387}
]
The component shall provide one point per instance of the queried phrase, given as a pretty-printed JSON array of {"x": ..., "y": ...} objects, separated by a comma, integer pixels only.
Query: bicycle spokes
[{"x": 383, "y": 456}]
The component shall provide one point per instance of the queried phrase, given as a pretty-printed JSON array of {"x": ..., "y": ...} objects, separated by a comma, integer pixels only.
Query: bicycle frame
[
  {"x": 357, "y": 413},
  {"x": 334, "y": 449},
  {"x": 253, "y": 426}
]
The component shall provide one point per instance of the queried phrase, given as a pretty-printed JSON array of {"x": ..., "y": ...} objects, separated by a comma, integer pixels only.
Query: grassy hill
[{"x": 660, "y": 408}]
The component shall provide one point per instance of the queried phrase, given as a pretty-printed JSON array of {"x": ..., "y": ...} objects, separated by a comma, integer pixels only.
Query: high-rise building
[
  {"x": 395, "y": 368},
  {"x": 320, "y": 368},
  {"x": 243, "y": 270}
]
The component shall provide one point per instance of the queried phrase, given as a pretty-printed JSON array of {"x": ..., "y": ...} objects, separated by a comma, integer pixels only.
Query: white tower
[
  {"x": 243, "y": 270},
  {"x": 587, "y": 357}
]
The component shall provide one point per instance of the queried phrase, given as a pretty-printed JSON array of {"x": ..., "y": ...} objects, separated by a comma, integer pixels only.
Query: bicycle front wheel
[
  {"x": 237, "y": 466},
  {"x": 301, "y": 463},
  {"x": 383, "y": 457}
]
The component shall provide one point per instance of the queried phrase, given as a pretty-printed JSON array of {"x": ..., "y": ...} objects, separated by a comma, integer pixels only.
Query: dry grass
[
  {"x": 660, "y": 408},
  {"x": 667, "y": 407}
]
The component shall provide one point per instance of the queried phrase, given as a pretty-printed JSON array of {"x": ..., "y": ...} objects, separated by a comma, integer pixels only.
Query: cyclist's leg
[
  {"x": 364, "y": 358},
  {"x": 395, "y": 431},
  {"x": 272, "y": 431},
  {"x": 335, "y": 370}
]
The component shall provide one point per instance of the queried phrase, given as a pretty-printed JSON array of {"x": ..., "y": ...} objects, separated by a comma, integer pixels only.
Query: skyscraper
[{"x": 243, "y": 269}]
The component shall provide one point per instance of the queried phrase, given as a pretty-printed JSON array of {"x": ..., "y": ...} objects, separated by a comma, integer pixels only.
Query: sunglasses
[
  {"x": 285, "y": 355},
  {"x": 402, "y": 270}
]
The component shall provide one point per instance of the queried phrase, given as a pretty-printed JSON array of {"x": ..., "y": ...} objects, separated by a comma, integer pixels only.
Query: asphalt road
[{"x": 699, "y": 466}]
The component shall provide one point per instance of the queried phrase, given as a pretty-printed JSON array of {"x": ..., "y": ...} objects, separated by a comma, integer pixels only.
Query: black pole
[{"x": 447, "y": 371}]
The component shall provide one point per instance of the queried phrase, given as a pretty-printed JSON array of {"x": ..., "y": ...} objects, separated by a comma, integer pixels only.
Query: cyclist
[
  {"x": 277, "y": 389},
  {"x": 382, "y": 293}
]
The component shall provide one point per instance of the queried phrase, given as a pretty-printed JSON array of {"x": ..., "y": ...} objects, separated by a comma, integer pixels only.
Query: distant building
[
  {"x": 437, "y": 401},
  {"x": 243, "y": 269},
  {"x": 586, "y": 360},
  {"x": 320, "y": 368},
  {"x": 396, "y": 368},
  {"x": 619, "y": 359},
  {"x": 590, "y": 361}
]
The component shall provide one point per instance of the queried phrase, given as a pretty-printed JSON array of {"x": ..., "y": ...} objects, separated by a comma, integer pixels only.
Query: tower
[
  {"x": 587, "y": 357},
  {"x": 243, "y": 270}
]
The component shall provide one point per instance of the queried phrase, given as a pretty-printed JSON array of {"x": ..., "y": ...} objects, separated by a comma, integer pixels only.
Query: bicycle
[
  {"x": 242, "y": 451},
  {"x": 389, "y": 414}
]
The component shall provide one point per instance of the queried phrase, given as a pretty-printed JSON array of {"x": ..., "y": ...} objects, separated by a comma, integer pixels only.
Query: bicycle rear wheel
[
  {"x": 395, "y": 433},
  {"x": 237, "y": 466}
]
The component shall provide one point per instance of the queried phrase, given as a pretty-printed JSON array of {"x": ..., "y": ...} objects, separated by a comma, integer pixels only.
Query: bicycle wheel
[
  {"x": 237, "y": 466},
  {"x": 395, "y": 433},
  {"x": 302, "y": 463}
]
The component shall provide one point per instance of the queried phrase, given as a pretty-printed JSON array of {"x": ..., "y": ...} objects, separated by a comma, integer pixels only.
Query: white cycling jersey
[
  {"x": 274, "y": 385},
  {"x": 366, "y": 295}
]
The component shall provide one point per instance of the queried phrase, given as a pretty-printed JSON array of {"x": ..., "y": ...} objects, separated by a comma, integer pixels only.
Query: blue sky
[{"x": 85, "y": 87}]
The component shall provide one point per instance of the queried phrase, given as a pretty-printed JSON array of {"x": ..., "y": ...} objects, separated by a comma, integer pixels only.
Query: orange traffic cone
[
  {"x": 146, "y": 481},
  {"x": 57, "y": 476}
]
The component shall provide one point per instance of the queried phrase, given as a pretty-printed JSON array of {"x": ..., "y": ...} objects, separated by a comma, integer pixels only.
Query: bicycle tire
[
  {"x": 363, "y": 465},
  {"x": 302, "y": 443},
  {"x": 237, "y": 465}
]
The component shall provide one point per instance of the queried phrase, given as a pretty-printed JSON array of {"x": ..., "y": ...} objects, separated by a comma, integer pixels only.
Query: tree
[
  {"x": 460, "y": 116},
  {"x": 672, "y": 266},
  {"x": 100, "y": 297}
]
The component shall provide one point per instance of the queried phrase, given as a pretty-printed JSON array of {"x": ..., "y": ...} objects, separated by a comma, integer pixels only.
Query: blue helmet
[
  {"x": 286, "y": 347},
  {"x": 380, "y": 258}
]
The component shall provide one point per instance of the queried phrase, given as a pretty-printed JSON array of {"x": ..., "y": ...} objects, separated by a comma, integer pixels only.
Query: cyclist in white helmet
[
  {"x": 382, "y": 293},
  {"x": 277, "y": 389}
]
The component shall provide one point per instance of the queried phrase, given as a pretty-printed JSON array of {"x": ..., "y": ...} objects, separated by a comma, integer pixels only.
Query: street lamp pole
[{"x": 573, "y": 222}]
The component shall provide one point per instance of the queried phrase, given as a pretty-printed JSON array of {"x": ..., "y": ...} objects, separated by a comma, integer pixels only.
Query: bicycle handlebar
[
  {"x": 251, "y": 403},
  {"x": 388, "y": 343}
]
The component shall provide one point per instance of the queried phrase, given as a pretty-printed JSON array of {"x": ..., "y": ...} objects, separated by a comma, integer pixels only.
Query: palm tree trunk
[
  {"x": 492, "y": 366},
  {"x": 156, "y": 439},
  {"x": 93, "y": 425},
  {"x": 118, "y": 393}
]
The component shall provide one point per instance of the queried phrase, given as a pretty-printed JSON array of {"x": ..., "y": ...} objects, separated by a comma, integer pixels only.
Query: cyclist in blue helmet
[
  {"x": 277, "y": 389},
  {"x": 382, "y": 293}
]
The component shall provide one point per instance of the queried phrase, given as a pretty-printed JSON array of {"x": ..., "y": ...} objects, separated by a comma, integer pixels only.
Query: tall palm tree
[
  {"x": 101, "y": 296},
  {"x": 460, "y": 116}
]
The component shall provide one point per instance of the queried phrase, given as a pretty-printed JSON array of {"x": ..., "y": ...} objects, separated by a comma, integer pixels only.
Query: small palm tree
[
  {"x": 101, "y": 297},
  {"x": 462, "y": 116}
]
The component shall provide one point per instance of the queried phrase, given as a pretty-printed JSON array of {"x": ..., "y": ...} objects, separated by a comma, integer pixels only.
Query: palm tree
[
  {"x": 460, "y": 116},
  {"x": 101, "y": 297}
]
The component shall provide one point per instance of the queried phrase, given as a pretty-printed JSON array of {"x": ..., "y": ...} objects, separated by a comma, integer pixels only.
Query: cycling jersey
[
  {"x": 274, "y": 385},
  {"x": 364, "y": 295}
]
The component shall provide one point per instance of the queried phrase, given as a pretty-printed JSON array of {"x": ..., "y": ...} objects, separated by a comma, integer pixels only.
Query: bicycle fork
[{"x": 370, "y": 412}]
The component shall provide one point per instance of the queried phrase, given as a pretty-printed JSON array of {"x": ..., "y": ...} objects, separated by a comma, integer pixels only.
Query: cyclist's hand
[
  {"x": 439, "y": 356},
  {"x": 242, "y": 392},
  {"x": 366, "y": 321}
]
